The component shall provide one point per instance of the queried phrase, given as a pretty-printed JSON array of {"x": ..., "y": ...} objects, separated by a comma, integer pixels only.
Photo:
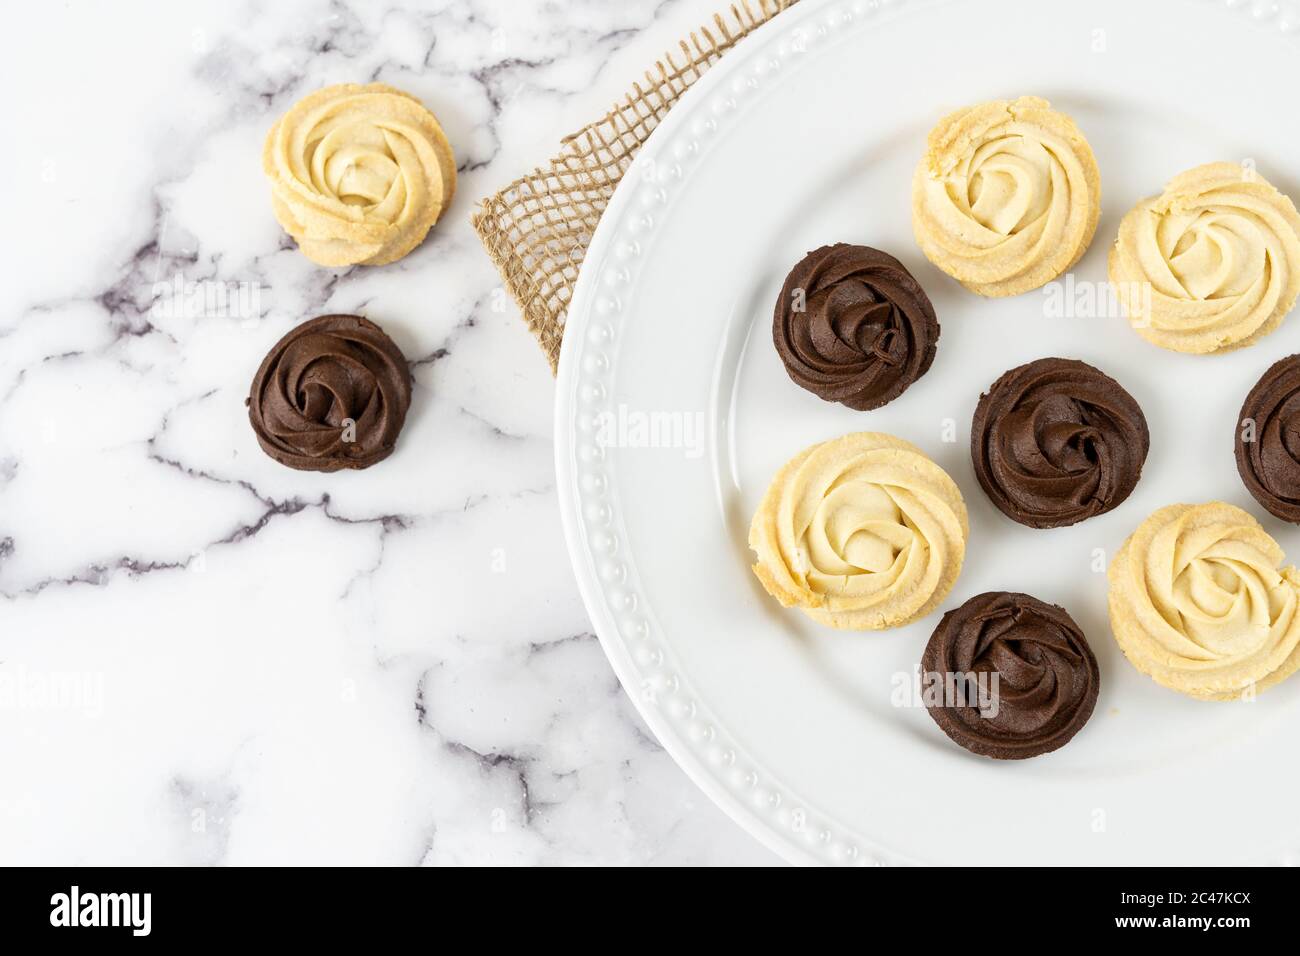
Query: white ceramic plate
[{"x": 807, "y": 134}]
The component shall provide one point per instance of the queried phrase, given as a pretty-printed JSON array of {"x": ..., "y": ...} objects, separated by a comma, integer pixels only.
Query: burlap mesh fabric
[{"x": 537, "y": 229}]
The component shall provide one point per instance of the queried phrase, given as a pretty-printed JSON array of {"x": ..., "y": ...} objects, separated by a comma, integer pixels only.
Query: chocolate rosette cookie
[
  {"x": 331, "y": 394},
  {"x": 1009, "y": 676},
  {"x": 852, "y": 326},
  {"x": 1057, "y": 441},
  {"x": 1268, "y": 440}
]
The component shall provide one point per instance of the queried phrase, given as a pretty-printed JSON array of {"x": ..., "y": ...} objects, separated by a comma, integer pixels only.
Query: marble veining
[{"x": 207, "y": 658}]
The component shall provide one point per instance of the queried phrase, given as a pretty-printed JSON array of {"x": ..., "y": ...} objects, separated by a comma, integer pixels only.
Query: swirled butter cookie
[
  {"x": 852, "y": 326},
  {"x": 1015, "y": 676},
  {"x": 332, "y": 394},
  {"x": 863, "y": 532},
  {"x": 1200, "y": 602},
  {"x": 359, "y": 173},
  {"x": 1268, "y": 440},
  {"x": 1007, "y": 195},
  {"x": 1211, "y": 264},
  {"x": 1057, "y": 441}
]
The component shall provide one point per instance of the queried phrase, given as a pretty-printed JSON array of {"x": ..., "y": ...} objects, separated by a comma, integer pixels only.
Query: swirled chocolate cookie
[
  {"x": 1212, "y": 263},
  {"x": 359, "y": 173},
  {"x": 1201, "y": 602},
  {"x": 331, "y": 394},
  {"x": 852, "y": 326},
  {"x": 1268, "y": 440},
  {"x": 1009, "y": 676},
  {"x": 1057, "y": 441},
  {"x": 863, "y": 532},
  {"x": 1007, "y": 195}
]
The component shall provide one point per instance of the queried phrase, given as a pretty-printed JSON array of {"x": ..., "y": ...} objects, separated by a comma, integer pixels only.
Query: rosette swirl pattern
[
  {"x": 331, "y": 394},
  {"x": 1268, "y": 440},
  {"x": 1199, "y": 602},
  {"x": 359, "y": 173},
  {"x": 853, "y": 326},
  {"x": 863, "y": 532},
  {"x": 1211, "y": 264},
  {"x": 1057, "y": 441},
  {"x": 1037, "y": 677},
  {"x": 1007, "y": 196}
]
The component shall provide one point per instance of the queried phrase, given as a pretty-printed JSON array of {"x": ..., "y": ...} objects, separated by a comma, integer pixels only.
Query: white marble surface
[{"x": 206, "y": 658}]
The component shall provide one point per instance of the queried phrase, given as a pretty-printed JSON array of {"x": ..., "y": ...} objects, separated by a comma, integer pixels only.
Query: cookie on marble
[
  {"x": 332, "y": 394},
  {"x": 1211, "y": 264},
  {"x": 1007, "y": 195},
  {"x": 863, "y": 532},
  {"x": 1201, "y": 602},
  {"x": 359, "y": 173}
]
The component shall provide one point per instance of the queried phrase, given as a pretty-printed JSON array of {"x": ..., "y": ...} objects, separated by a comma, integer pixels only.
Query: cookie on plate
[
  {"x": 1056, "y": 441},
  {"x": 1201, "y": 603},
  {"x": 853, "y": 326},
  {"x": 862, "y": 532},
  {"x": 1009, "y": 676},
  {"x": 1211, "y": 264},
  {"x": 1268, "y": 440},
  {"x": 1007, "y": 195}
]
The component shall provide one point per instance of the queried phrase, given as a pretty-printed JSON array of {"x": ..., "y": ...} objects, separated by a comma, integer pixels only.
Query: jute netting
[{"x": 537, "y": 229}]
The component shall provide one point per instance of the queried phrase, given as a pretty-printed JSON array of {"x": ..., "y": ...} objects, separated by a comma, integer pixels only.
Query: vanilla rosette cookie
[
  {"x": 1007, "y": 195},
  {"x": 1211, "y": 264},
  {"x": 1200, "y": 602},
  {"x": 863, "y": 532},
  {"x": 358, "y": 174}
]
